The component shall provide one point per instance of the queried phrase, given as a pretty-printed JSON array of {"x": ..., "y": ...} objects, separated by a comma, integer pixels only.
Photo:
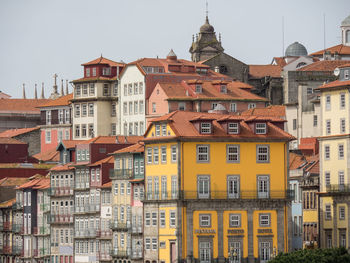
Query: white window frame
[
  {"x": 263, "y": 153},
  {"x": 205, "y": 220},
  {"x": 232, "y": 153},
  {"x": 264, "y": 220},
  {"x": 260, "y": 128},
  {"x": 235, "y": 220},
  {"x": 203, "y": 153},
  {"x": 203, "y": 186},
  {"x": 205, "y": 128}
]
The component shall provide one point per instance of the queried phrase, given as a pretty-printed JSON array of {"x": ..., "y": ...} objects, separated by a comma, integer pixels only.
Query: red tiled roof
[
  {"x": 63, "y": 167},
  {"x": 324, "y": 65},
  {"x": 295, "y": 160},
  {"x": 135, "y": 148},
  {"x": 345, "y": 65},
  {"x": 107, "y": 185},
  {"x": 61, "y": 101},
  {"x": 236, "y": 90},
  {"x": 21, "y": 105},
  {"x": 48, "y": 156},
  {"x": 94, "y": 79},
  {"x": 341, "y": 49},
  {"x": 12, "y": 181},
  {"x": 280, "y": 61},
  {"x": 180, "y": 122},
  {"x": 271, "y": 111},
  {"x": 8, "y": 140},
  {"x": 102, "y": 60},
  {"x": 39, "y": 183},
  {"x": 108, "y": 159},
  {"x": 43, "y": 184},
  {"x": 260, "y": 71},
  {"x": 15, "y": 132},
  {"x": 8, "y": 203},
  {"x": 336, "y": 84},
  {"x": 114, "y": 139},
  {"x": 308, "y": 143},
  {"x": 68, "y": 144}
]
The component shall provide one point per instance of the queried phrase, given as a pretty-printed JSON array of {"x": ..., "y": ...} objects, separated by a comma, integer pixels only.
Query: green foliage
[{"x": 331, "y": 255}]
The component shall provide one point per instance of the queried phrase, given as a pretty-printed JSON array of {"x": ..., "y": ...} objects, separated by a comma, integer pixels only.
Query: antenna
[
  {"x": 206, "y": 8},
  {"x": 282, "y": 36},
  {"x": 324, "y": 31}
]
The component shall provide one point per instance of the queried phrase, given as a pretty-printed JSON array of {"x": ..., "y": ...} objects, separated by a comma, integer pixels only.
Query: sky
[{"x": 39, "y": 38}]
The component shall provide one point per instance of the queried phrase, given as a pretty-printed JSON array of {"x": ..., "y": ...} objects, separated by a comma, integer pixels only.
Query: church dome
[
  {"x": 296, "y": 50},
  {"x": 346, "y": 21},
  {"x": 207, "y": 28}
]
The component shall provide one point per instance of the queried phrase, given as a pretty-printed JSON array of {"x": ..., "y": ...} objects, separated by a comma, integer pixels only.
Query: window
[
  {"x": 204, "y": 252},
  {"x": 163, "y": 149},
  {"x": 223, "y": 89},
  {"x": 327, "y": 152},
  {"x": 264, "y": 220},
  {"x": 327, "y": 178},
  {"x": 141, "y": 110},
  {"x": 141, "y": 128},
  {"x": 346, "y": 72},
  {"x": 92, "y": 89},
  {"x": 60, "y": 116},
  {"x": 203, "y": 187},
  {"x": 122, "y": 188},
  {"x": 213, "y": 106},
  {"x": 149, "y": 155},
  {"x": 85, "y": 89},
  {"x": 294, "y": 124},
  {"x": 328, "y": 126},
  {"x": 136, "y": 88},
  {"x": 153, "y": 107},
  {"x": 262, "y": 153},
  {"x": 87, "y": 72},
  {"x": 48, "y": 137},
  {"x": 91, "y": 109},
  {"x": 154, "y": 244},
  {"x": 203, "y": 154},
  {"x": 251, "y": 106},
  {"x": 147, "y": 243},
  {"x": 136, "y": 107},
  {"x": 172, "y": 219},
  {"x": 148, "y": 219},
  {"x": 83, "y": 110},
  {"x": 341, "y": 212},
  {"x": 235, "y": 220},
  {"x": 342, "y": 125},
  {"x": 106, "y": 71},
  {"x": 91, "y": 130},
  {"x": 328, "y": 102},
  {"x": 232, "y": 153},
  {"x": 265, "y": 252},
  {"x": 205, "y": 127},
  {"x": 233, "y": 127},
  {"x": 164, "y": 187},
  {"x": 130, "y": 89},
  {"x": 198, "y": 88},
  {"x": 136, "y": 128},
  {"x": 260, "y": 128},
  {"x": 67, "y": 113},
  {"x": 173, "y": 154},
  {"x": 182, "y": 106},
  {"x": 263, "y": 186},
  {"x": 83, "y": 130},
  {"x": 77, "y": 90},
  {"x": 77, "y": 110},
  {"x": 233, "y": 186},
  {"x": 340, "y": 151},
  {"x": 94, "y": 72},
  {"x": 308, "y": 90},
  {"x": 328, "y": 212},
  {"x": 157, "y": 130},
  {"x": 113, "y": 128},
  {"x": 105, "y": 89},
  {"x": 329, "y": 241},
  {"x": 130, "y": 128},
  {"x": 130, "y": 107},
  {"x": 114, "y": 109},
  {"x": 174, "y": 187},
  {"x": 162, "y": 218},
  {"x": 125, "y": 108},
  {"x": 204, "y": 220},
  {"x": 233, "y": 107},
  {"x": 125, "y": 89},
  {"x": 140, "y": 87},
  {"x": 342, "y": 100},
  {"x": 315, "y": 120},
  {"x": 155, "y": 154},
  {"x": 341, "y": 179},
  {"x": 154, "y": 219},
  {"x": 163, "y": 129}
]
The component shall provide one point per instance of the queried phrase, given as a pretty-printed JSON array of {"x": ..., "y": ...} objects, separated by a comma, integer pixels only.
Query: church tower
[
  {"x": 206, "y": 44},
  {"x": 345, "y": 31}
]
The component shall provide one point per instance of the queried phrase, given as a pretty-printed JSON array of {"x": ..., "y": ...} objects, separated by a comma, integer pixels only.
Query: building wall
[
  {"x": 33, "y": 140},
  {"x": 13, "y": 153}
]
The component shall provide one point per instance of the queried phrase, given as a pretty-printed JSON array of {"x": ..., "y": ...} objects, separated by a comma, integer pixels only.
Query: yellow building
[
  {"x": 334, "y": 161},
  {"x": 216, "y": 188}
]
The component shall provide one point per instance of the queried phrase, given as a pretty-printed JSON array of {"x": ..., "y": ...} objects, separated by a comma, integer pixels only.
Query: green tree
[{"x": 331, "y": 255}]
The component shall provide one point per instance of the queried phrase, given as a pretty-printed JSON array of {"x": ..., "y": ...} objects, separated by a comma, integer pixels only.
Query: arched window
[
  {"x": 223, "y": 69},
  {"x": 347, "y": 36},
  {"x": 301, "y": 64}
]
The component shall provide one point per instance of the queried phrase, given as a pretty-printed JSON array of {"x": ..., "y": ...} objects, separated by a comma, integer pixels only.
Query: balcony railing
[
  {"x": 17, "y": 228},
  {"x": 338, "y": 188},
  {"x": 136, "y": 229},
  {"x": 61, "y": 191},
  {"x": 16, "y": 250},
  {"x": 121, "y": 252},
  {"x": 107, "y": 234},
  {"x": 43, "y": 252},
  {"x": 7, "y": 226},
  {"x": 94, "y": 208},
  {"x": 220, "y": 195},
  {"x": 115, "y": 225},
  {"x": 105, "y": 256},
  {"x": 41, "y": 231},
  {"x": 136, "y": 254},
  {"x": 7, "y": 249},
  {"x": 120, "y": 173},
  {"x": 61, "y": 218},
  {"x": 86, "y": 233},
  {"x": 82, "y": 185}
]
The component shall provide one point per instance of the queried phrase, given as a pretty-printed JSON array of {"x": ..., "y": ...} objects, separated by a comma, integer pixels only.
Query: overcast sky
[{"x": 41, "y": 37}]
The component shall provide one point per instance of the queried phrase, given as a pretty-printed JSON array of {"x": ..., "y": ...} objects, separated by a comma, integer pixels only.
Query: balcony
[
  {"x": 35, "y": 252},
  {"x": 61, "y": 191},
  {"x": 17, "y": 228},
  {"x": 120, "y": 174},
  {"x": 45, "y": 207},
  {"x": 82, "y": 186},
  {"x": 338, "y": 188},
  {"x": 94, "y": 208},
  {"x": 7, "y": 250},
  {"x": 7, "y": 226},
  {"x": 104, "y": 234},
  {"x": 16, "y": 250},
  {"x": 117, "y": 225},
  {"x": 121, "y": 253},
  {"x": 61, "y": 219},
  {"x": 105, "y": 256},
  {"x": 41, "y": 231},
  {"x": 136, "y": 254},
  {"x": 161, "y": 196},
  {"x": 44, "y": 252},
  {"x": 136, "y": 229},
  {"x": 86, "y": 233}
]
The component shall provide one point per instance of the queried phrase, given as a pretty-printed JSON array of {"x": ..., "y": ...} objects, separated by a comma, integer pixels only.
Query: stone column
[
  {"x": 251, "y": 258},
  {"x": 280, "y": 229},
  {"x": 189, "y": 226},
  {"x": 335, "y": 224},
  {"x": 220, "y": 236}
]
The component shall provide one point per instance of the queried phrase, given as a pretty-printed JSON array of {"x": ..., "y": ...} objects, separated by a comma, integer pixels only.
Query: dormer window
[
  {"x": 205, "y": 128},
  {"x": 94, "y": 72},
  {"x": 87, "y": 72},
  {"x": 223, "y": 89},
  {"x": 251, "y": 106},
  {"x": 106, "y": 71},
  {"x": 346, "y": 74},
  {"x": 260, "y": 128},
  {"x": 198, "y": 88},
  {"x": 233, "y": 128}
]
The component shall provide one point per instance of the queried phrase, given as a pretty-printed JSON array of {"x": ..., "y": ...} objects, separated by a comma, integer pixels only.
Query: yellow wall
[{"x": 166, "y": 233}]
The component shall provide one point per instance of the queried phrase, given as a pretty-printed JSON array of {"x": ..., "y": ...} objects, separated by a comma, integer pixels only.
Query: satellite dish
[{"x": 336, "y": 72}]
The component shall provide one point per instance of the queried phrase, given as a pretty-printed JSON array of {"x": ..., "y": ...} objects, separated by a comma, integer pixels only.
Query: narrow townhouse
[
  {"x": 8, "y": 242},
  {"x": 216, "y": 188},
  {"x": 335, "y": 161}
]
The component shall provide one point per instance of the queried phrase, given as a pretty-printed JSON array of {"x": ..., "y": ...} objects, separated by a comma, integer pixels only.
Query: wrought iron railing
[
  {"x": 120, "y": 173},
  {"x": 338, "y": 188}
]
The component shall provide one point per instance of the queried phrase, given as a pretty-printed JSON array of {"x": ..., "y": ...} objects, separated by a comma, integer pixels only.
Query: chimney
[
  {"x": 24, "y": 91},
  {"x": 42, "y": 91},
  {"x": 62, "y": 91},
  {"x": 327, "y": 55},
  {"x": 35, "y": 92},
  {"x": 67, "y": 91}
]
